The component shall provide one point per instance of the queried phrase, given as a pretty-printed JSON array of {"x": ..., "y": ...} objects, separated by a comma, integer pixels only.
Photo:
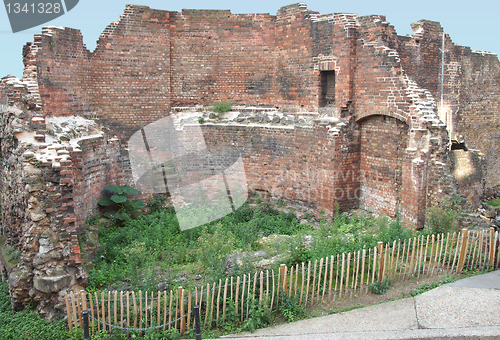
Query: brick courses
[{"x": 377, "y": 138}]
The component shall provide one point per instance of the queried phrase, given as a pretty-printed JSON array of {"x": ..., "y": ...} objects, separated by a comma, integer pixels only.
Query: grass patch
[
  {"x": 494, "y": 203},
  {"x": 429, "y": 286},
  {"x": 152, "y": 248},
  {"x": 222, "y": 107}
]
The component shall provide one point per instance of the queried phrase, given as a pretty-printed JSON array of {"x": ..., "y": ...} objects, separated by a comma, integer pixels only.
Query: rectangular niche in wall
[{"x": 327, "y": 88}]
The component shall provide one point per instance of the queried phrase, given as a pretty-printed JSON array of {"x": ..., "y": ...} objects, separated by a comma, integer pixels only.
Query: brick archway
[{"x": 384, "y": 140}]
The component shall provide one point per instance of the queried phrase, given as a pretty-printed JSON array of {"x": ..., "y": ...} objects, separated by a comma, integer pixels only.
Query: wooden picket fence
[{"x": 309, "y": 283}]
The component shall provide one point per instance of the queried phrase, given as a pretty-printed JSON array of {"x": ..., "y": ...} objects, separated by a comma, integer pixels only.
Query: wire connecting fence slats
[{"x": 309, "y": 283}]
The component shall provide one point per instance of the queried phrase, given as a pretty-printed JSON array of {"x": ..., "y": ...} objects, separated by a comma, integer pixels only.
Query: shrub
[
  {"x": 157, "y": 203},
  {"x": 444, "y": 217},
  {"x": 213, "y": 247},
  {"x": 290, "y": 308},
  {"x": 380, "y": 287},
  {"x": 117, "y": 205},
  {"x": 222, "y": 107},
  {"x": 260, "y": 317}
]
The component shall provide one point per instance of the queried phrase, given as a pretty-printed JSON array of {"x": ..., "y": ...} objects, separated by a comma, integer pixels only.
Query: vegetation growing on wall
[{"x": 222, "y": 107}]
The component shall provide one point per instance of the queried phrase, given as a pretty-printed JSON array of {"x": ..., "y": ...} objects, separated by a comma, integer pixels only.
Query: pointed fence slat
[
  {"x": 325, "y": 280},
  {"x": 296, "y": 278},
  {"x": 319, "y": 278},
  {"x": 331, "y": 279},
  {"x": 272, "y": 294},
  {"x": 92, "y": 312},
  {"x": 243, "y": 296},
  {"x": 492, "y": 247},
  {"x": 308, "y": 280},
  {"x": 224, "y": 299},
  {"x": 348, "y": 266},
  {"x": 218, "y": 299},
  {"x": 236, "y": 302},
  {"x": 261, "y": 294},
  {"x": 302, "y": 284}
]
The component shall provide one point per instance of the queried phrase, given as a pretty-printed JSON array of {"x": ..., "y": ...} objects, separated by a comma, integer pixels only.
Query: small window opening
[{"x": 327, "y": 88}]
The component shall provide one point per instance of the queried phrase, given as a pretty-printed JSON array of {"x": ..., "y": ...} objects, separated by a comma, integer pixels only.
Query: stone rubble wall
[
  {"x": 380, "y": 141},
  {"x": 53, "y": 170}
]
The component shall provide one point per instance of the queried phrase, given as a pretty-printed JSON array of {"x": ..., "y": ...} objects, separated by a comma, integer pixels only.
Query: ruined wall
[
  {"x": 341, "y": 65},
  {"x": 131, "y": 70},
  {"x": 479, "y": 115},
  {"x": 306, "y": 166},
  {"x": 97, "y": 161},
  {"x": 37, "y": 211},
  {"x": 335, "y": 42},
  {"x": 296, "y": 82},
  {"x": 150, "y": 60},
  {"x": 384, "y": 140},
  {"x": 356, "y": 121},
  {"x": 470, "y": 104},
  {"x": 64, "y": 90},
  {"x": 218, "y": 56},
  {"x": 53, "y": 170}
]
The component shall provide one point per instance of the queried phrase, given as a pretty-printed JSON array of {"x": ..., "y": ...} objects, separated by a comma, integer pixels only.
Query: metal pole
[
  {"x": 85, "y": 315},
  {"x": 197, "y": 322}
]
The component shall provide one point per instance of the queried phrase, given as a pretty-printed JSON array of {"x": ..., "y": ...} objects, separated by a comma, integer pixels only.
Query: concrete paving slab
[
  {"x": 489, "y": 280},
  {"x": 458, "y": 307},
  {"x": 468, "y": 309},
  {"x": 478, "y": 333},
  {"x": 394, "y": 315}
]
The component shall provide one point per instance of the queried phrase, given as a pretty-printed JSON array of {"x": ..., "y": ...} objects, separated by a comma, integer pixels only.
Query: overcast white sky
[{"x": 469, "y": 23}]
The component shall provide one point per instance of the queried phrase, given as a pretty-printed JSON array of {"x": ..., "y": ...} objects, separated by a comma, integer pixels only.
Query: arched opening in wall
[
  {"x": 327, "y": 89},
  {"x": 383, "y": 142}
]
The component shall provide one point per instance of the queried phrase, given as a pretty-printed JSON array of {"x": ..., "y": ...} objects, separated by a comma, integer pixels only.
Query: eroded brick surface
[{"x": 330, "y": 110}]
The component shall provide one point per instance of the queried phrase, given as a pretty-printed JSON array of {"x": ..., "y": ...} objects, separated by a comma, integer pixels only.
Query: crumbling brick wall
[
  {"x": 339, "y": 64},
  {"x": 376, "y": 133},
  {"x": 305, "y": 166},
  {"x": 479, "y": 114},
  {"x": 470, "y": 88},
  {"x": 49, "y": 187}
]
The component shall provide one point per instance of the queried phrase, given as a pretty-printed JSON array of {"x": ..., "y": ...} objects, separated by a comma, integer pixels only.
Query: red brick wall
[
  {"x": 130, "y": 76},
  {"x": 380, "y": 86},
  {"x": 218, "y": 56},
  {"x": 383, "y": 142},
  {"x": 151, "y": 60},
  {"x": 296, "y": 81},
  {"x": 421, "y": 56},
  {"x": 304, "y": 166},
  {"x": 63, "y": 72},
  {"x": 479, "y": 115},
  {"x": 98, "y": 162}
]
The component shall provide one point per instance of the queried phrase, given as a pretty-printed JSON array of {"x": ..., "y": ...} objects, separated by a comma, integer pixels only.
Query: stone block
[{"x": 51, "y": 284}]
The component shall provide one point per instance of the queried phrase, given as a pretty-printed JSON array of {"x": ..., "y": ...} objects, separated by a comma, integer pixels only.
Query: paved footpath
[{"x": 464, "y": 309}]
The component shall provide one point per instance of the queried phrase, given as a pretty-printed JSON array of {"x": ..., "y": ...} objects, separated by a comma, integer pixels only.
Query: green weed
[
  {"x": 380, "y": 287},
  {"x": 118, "y": 207},
  {"x": 27, "y": 324},
  {"x": 428, "y": 286},
  {"x": 222, "y": 107},
  {"x": 494, "y": 203},
  {"x": 445, "y": 217}
]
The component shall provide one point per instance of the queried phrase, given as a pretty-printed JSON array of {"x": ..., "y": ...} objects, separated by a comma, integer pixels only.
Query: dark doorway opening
[{"x": 327, "y": 88}]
